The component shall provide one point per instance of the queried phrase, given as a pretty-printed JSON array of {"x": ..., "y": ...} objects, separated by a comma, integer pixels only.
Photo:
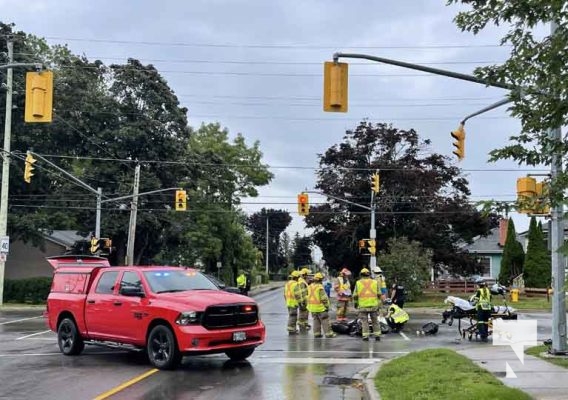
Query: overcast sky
[{"x": 256, "y": 67}]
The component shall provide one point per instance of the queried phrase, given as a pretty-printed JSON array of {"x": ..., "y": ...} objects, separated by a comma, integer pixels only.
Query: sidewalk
[
  {"x": 265, "y": 287},
  {"x": 538, "y": 378}
]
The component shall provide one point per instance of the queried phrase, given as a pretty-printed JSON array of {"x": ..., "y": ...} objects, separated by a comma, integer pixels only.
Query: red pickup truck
[{"x": 168, "y": 312}]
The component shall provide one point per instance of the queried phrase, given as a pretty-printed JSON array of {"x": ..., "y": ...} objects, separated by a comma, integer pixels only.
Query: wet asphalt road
[{"x": 297, "y": 367}]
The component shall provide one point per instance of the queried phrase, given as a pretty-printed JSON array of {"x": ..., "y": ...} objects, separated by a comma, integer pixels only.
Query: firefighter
[
  {"x": 242, "y": 282},
  {"x": 318, "y": 305},
  {"x": 482, "y": 300},
  {"x": 293, "y": 297},
  {"x": 366, "y": 300},
  {"x": 381, "y": 281},
  {"x": 303, "y": 311},
  {"x": 343, "y": 289}
]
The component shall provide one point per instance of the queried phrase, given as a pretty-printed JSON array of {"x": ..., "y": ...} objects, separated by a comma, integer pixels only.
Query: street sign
[
  {"x": 5, "y": 244},
  {"x": 219, "y": 265}
]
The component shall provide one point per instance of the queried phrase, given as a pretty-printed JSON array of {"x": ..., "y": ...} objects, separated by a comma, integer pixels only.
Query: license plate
[{"x": 239, "y": 336}]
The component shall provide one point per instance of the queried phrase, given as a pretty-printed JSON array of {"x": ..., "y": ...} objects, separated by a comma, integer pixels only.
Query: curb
[{"x": 367, "y": 375}]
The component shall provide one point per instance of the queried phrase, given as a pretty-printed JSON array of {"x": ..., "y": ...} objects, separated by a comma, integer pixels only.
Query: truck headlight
[{"x": 187, "y": 318}]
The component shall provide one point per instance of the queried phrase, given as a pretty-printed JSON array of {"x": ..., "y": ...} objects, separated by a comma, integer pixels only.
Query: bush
[{"x": 30, "y": 290}]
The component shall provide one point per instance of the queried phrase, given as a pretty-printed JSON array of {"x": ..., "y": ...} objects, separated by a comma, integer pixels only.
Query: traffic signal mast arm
[{"x": 339, "y": 199}]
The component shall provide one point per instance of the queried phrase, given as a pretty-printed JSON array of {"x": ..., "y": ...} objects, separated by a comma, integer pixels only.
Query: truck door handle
[
  {"x": 117, "y": 303},
  {"x": 91, "y": 301}
]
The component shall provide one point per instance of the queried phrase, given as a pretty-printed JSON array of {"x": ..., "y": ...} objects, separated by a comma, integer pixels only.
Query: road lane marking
[
  {"x": 33, "y": 334},
  {"x": 404, "y": 336},
  {"x": 310, "y": 360},
  {"x": 126, "y": 384},
  {"x": 19, "y": 320}
]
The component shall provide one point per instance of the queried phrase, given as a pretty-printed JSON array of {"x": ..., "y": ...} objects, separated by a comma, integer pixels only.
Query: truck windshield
[{"x": 169, "y": 281}]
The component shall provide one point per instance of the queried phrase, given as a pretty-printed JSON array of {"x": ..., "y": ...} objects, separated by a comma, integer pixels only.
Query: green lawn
[
  {"x": 436, "y": 300},
  {"x": 538, "y": 350},
  {"x": 440, "y": 374}
]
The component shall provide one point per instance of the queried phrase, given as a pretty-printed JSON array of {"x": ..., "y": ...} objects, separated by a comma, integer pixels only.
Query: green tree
[
  {"x": 513, "y": 256},
  {"x": 537, "y": 267},
  {"x": 537, "y": 63},
  {"x": 409, "y": 262},
  {"x": 422, "y": 197},
  {"x": 278, "y": 221},
  {"x": 302, "y": 254}
]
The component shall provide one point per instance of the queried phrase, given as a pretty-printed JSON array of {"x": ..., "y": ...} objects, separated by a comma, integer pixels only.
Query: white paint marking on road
[
  {"x": 309, "y": 360},
  {"x": 19, "y": 320},
  {"x": 29, "y": 354},
  {"x": 404, "y": 336},
  {"x": 33, "y": 334},
  {"x": 332, "y": 351}
]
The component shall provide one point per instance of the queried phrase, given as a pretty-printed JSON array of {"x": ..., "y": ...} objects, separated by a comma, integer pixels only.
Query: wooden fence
[{"x": 461, "y": 286}]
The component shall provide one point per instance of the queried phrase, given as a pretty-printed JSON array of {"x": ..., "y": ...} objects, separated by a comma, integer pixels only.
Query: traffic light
[
  {"x": 542, "y": 203},
  {"x": 39, "y": 97},
  {"x": 335, "y": 86},
  {"x": 526, "y": 192},
  {"x": 303, "y": 204},
  {"x": 459, "y": 136},
  {"x": 361, "y": 245},
  {"x": 29, "y": 167},
  {"x": 372, "y": 246},
  {"x": 95, "y": 245},
  {"x": 106, "y": 244},
  {"x": 181, "y": 200},
  {"x": 375, "y": 182}
]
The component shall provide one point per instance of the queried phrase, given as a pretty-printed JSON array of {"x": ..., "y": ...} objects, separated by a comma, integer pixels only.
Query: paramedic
[
  {"x": 482, "y": 299},
  {"x": 396, "y": 317}
]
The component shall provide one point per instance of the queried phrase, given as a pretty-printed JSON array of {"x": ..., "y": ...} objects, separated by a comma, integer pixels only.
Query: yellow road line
[{"x": 126, "y": 384}]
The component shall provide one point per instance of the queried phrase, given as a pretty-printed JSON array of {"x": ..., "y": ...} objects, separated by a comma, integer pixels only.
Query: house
[
  {"x": 26, "y": 260},
  {"x": 489, "y": 249}
]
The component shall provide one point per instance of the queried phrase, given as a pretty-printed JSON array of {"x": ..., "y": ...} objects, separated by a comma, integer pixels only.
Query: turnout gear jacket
[
  {"x": 366, "y": 293},
  {"x": 292, "y": 294},
  {"x": 318, "y": 301}
]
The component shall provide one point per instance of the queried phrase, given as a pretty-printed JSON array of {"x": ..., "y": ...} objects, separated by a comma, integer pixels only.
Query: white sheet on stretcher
[{"x": 466, "y": 305}]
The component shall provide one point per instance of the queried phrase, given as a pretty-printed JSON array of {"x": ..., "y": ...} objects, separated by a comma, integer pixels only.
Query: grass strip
[
  {"x": 435, "y": 374},
  {"x": 539, "y": 351}
]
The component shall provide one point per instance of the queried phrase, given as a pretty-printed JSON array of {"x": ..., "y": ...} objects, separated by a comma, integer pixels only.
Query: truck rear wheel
[
  {"x": 239, "y": 354},
  {"x": 68, "y": 338},
  {"x": 162, "y": 349}
]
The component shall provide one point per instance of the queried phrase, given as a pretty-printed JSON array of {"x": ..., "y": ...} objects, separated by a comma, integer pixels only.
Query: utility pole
[
  {"x": 6, "y": 161},
  {"x": 266, "y": 243},
  {"x": 557, "y": 240},
  {"x": 132, "y": 223},
  {"x": 373, "y": 233}
]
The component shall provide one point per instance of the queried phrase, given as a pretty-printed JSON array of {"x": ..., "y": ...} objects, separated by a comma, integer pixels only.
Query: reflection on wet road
[{"x": 285, "y": 367}]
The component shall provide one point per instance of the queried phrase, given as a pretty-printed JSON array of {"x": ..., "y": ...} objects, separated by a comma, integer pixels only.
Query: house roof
[
  {"x": 65, "y": 238},
  {"x": 488, "y": 244}
]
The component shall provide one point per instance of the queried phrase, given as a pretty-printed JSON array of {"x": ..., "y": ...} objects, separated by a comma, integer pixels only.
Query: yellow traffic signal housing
[
  {"x": 28, "y": 168},
  {"x": 375, "y": 181},
  {"x": 181, "y": 200},
  {"x": 39, "y": 97},
  {"x": 526, "y": 192},
  {"x": 542, "y": 202},
  {"x": 372, "y": 246},
  {"x": 459, "y": 144},
  {"x": 303, "y": 204},
  {"x": 94, "y": 245},
  {"x": 335, "y": 90}
]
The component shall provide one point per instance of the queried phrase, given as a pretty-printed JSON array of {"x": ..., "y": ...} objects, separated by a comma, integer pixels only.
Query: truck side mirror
[{"x": 133, "y": 291}]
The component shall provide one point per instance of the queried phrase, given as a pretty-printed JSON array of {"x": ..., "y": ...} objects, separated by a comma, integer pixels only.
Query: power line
[
  {"x": 271, "y": 46},
  {"x": 163, "y": 162}
]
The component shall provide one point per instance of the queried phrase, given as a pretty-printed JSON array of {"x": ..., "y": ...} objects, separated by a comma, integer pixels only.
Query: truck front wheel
[
  {"x": 68, "y": 338},
  {"x": 162, "y": 348},
  {"x": 239, "y": 354}
]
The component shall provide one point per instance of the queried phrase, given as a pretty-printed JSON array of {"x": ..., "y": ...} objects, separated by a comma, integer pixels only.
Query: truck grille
[{"x": 228, "y": 316}]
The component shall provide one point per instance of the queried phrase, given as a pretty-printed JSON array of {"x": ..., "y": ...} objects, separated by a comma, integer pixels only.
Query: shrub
[{"x": 30, "y": 290}]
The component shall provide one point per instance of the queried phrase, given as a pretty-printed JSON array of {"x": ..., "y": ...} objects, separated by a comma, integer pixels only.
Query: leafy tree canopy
[{"x": 422, "y": 197}]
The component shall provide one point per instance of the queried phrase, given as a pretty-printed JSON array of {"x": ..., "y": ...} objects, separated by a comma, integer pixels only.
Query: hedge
[{"x": 30, "y": 290}]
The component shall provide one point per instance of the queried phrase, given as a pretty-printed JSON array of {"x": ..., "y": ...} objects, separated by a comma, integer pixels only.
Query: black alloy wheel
[{"x": 162, "y": 349}]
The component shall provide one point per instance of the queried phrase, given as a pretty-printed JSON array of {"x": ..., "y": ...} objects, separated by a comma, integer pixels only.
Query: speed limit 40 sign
[{"x": 4, "y": 244}]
